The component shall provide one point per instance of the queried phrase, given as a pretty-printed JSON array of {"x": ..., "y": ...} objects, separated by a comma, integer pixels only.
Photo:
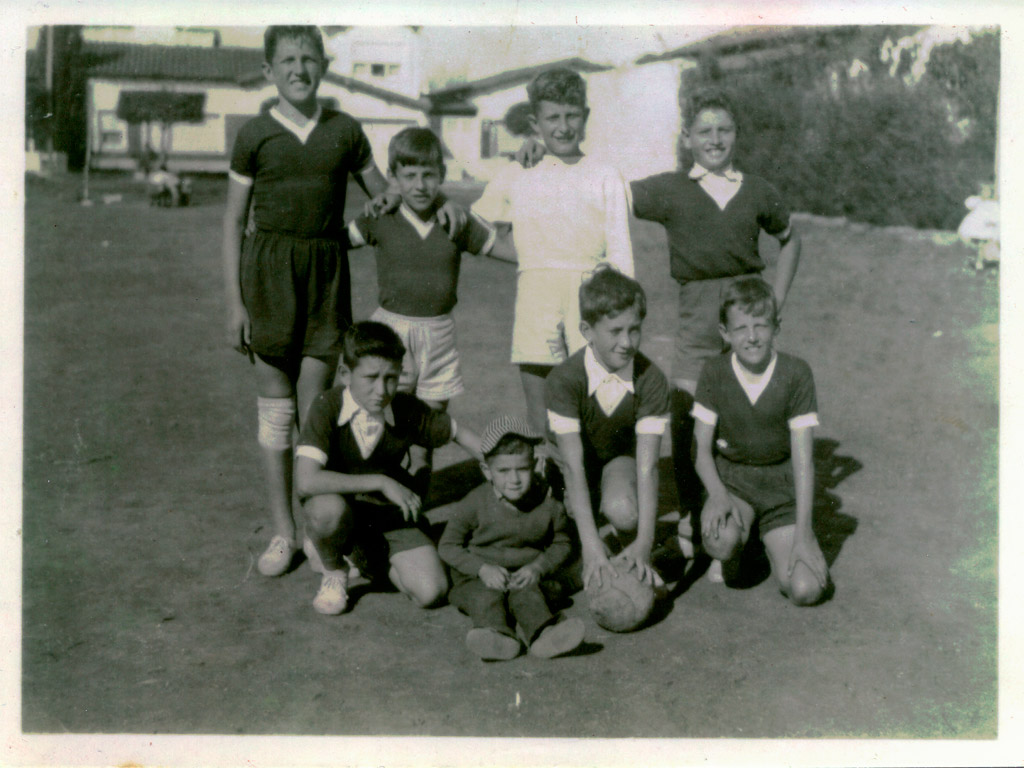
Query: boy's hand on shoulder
[
  {"x": 494, "y": 577},
  {"x": 402, "y": 497},
  {"x": 452, "y": 217},
  {"x": 531, "y": 152},
  {"x": 526, "y": 576},
  {"x": 385, "y": 202},
  {"x": 636, "y": 559},
  {"x": 806, "y": 550}
]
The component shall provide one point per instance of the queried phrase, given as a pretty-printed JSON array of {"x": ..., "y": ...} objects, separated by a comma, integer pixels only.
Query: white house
[
  {"x": 634, "y": 115},
  {"x": 374, "y": 76}
]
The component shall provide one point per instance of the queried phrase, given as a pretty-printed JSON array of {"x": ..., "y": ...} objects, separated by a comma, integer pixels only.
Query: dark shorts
[
  {"x": 296, "y": 291},
  {"x": 381, "y": 531},
  {"x": 697, "y": 336},
  {"x": 768, "y": 488}
]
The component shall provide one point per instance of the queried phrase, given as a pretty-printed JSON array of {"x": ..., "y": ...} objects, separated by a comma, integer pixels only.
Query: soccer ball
[{"x": 623, "y": 603}]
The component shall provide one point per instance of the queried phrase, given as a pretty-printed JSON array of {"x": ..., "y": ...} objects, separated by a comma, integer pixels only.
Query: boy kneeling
[
  {"x": 350, "y": 477},
  {"x": 608, "y": 406},
  {"x": 762, "y": 406},
  {"x": 501, "y": 539}
]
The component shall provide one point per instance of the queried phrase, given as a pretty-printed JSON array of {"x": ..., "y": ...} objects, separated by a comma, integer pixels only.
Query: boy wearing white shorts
[
  {"x": 418, "y": 272},
  {"x": 568, "y": 215}
]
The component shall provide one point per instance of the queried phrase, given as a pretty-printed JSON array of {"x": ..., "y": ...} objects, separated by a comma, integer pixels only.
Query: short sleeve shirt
[
  {"x": 705, "y": 241},
  {"x": 415, "y": 423},
  {"x": 756, "y": 433},
  {"x": 607, "y": 436},
  {"x": 299, "y": 186},
  {"x": 418, "y": 264}
]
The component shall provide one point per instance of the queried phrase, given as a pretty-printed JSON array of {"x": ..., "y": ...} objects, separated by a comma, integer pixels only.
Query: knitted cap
[{"x": 506, "y": 425}]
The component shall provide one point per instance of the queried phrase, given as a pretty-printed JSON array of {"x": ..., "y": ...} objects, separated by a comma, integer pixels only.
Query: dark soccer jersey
[
  {"x": 606, "y": 437},
  {"x": 415, "y": 424},
  {"x": 418, "y": 276},
  {"x": 703, "y": 240},
  {"x": 299, "y": 189},
  {"x": 759, "y": 433}
]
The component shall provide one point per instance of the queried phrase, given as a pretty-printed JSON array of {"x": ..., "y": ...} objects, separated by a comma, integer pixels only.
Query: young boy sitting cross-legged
[
  {"x": 755, "y": 412},
  {"x": 608, "y": 406},
  {"x": 500, "y": 541},
  {"x": 349, "y": 471}
]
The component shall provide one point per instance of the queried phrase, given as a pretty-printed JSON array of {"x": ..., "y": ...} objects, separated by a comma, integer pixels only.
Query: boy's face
[
  {"x": 419, "y": 185},
  {"x": 296, "y": 70},
  {"x": 751, "y": 338},
  {"x": 614, "y": 338},
  {"x": 373, "y": 382},
  {"x": 561, "y": 127},
  {"x": 712, "y": 139},
  {"x": 510, "y": 474}
]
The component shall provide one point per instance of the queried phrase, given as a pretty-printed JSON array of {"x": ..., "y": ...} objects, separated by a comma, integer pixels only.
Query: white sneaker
[
  {"x": 332, "y": 598},
  {"x": 714, "y": 574},
  {"x": 317, "y": 565},
  {"x": 277, "y": 557}
]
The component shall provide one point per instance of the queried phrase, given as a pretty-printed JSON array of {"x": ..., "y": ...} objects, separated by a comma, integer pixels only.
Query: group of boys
[{"x": 362, "y": 460}]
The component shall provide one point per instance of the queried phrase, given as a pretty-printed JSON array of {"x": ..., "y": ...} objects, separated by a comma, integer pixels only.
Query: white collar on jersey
[
  {"x": 609, "y": 386},
  {"x": 423, "y": 228},
  {"x": 699, "y": 172},
  {"x": 301, "y": 131},
  {"x": 754, "y": 383}
]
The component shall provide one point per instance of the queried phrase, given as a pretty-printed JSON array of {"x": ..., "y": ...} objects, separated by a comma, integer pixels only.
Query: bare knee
[
  {"x": 726, "y": 545},
  {"x": 803, "y": 588},
  {"x": 621, "y": 512},
  {"x": 323, "y": 513},
  {"x": 426, "y": 590}
]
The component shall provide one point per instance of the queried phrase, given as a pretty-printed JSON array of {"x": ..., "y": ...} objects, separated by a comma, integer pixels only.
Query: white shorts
[
  {"x": 547, "y": 320},
  {"x": 430, "y": 368}
]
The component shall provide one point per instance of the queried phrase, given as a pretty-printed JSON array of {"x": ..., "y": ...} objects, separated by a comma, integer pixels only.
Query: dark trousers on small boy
[{"x": 493, "y": 609}]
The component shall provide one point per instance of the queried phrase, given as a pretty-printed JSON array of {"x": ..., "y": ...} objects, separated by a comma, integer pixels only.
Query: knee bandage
[{"x": 276, "y": 417}]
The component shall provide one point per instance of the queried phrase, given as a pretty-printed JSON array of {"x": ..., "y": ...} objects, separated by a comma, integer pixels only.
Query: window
[
  {"x": 496, "y": 140},
  {"x": 111, "y": 130},
  {"x": 375, "y": 69}
]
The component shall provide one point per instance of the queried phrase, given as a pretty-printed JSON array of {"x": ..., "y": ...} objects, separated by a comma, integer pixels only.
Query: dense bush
[{"x": 871, "y": 148}]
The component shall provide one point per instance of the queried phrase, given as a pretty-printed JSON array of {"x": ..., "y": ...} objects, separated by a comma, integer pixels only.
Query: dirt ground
[{"x": 143, "y": 611}]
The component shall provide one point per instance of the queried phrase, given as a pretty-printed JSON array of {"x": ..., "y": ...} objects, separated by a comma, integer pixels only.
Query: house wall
[
  {"x": 206, "y": 146},
  {"x": 634, "y": 122}
]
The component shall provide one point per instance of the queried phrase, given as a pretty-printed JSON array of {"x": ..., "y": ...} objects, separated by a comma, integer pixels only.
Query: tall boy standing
[
  {"x": 568, "y": 215},
  {"x": 287, "y": 289},
  {"x": 608, "y": 406}
]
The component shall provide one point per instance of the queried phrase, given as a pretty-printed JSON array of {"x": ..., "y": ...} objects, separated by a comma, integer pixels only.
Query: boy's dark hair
[
  {"x": 609, "y": 292},
  {"x": 511, "y": 445},
  {"x": 415, "y": 146},
  {"x": 275, "y": 34},
  {"x": 559, "y": 85},
  {"x": 753, "y": 296},
  {"x": 710, "y": 97},
  {"x": 370, "y": 339}
]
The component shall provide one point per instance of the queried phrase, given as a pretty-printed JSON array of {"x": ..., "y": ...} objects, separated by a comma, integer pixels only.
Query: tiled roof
[
  {"x": 508, "y": 79},
  {"x": 170, "y": 62},
  {"x": 744, "y": 39}
]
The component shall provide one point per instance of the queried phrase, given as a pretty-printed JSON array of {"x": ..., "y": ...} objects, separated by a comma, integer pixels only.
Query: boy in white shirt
[{"x": 568, "y": 215}]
